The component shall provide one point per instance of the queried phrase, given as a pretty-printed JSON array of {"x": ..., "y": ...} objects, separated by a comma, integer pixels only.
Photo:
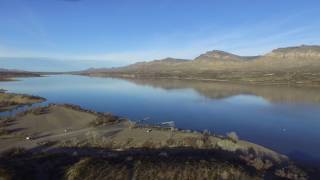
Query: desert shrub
[
  {"x": 132, "y": 124},
  {"x": 170, "y": 142},
  {"x": 291, "y": 172},
  {"x": 104, "y": 120},
  {"x": 149, "y": 144},
  {"x": 128, "y": 143},
  {"x": 233, "y": 136},
  {"x": 206, "y": 138},
  {"x": 160, "y": 170},
  {"x": 90, "y": 168},
  {"x": 191, "y": 141},
  {"x": 227, "y": 145}
]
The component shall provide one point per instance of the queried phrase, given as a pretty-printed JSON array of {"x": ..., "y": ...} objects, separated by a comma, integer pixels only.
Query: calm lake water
[{"x": 285, "y": 119}]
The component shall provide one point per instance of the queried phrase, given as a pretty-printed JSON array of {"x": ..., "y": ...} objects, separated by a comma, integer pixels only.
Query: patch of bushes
[
  {"x": 206, "y": 139},
  {"x": 90, "y": 168},
  {"x": 106, "y": 119},
  {"x": 233, "y": 136},
  {"x": 156, "y": 169},
  {"x": 143, "y": 164}
]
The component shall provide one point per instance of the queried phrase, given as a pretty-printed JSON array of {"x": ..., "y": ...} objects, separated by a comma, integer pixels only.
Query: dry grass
[
  {"x": 137, "y": 164},
  {"x": 9, "y": 100},
  {"x": 157, "y": 169},
  {"x": 104, "y": 120},
  {"x": 88, "y": 168},
  {"x": 233, "y": 136}
]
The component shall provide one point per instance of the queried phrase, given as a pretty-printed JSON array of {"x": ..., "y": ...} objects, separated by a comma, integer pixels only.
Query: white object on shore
[
  {"x": 28, "y": 138},
  {"x": 168, "y": 123},
  {"x": 149, "y": 130}
]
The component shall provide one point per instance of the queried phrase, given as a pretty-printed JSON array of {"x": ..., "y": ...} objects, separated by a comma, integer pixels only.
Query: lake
[{"x": 283, "y": 118}]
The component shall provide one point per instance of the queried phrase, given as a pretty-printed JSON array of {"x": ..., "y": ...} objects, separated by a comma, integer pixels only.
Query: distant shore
[
  {"x": 256, "y": 78},
  {"x": 11, "y": 75},
  {"x": 283, "y": 66}
]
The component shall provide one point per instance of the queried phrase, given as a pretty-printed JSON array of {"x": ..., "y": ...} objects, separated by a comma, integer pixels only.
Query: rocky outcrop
[
  {"x": 303, "y": 51},
  {"x": 217, "y": 55}
]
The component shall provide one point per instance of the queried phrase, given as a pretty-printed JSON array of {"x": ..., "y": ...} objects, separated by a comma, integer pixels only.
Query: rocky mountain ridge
[{"x": 299, "y": 64}]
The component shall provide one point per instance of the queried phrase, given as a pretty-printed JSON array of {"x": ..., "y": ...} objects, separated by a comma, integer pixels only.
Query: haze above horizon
[{"x": 76, "y": 34}]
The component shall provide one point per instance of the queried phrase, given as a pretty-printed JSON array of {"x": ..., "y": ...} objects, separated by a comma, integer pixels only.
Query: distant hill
[
  {"x": 299, "y": 64},
  {"x": 11, "y": 70},
  {"x": 8, "y": 74},
  {"x": 303, "y": 51},
  {"x": 217, "y": 55}
]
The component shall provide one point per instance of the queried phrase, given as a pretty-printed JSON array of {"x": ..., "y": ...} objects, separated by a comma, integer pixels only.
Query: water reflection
[
  {"x": 216, "y": 90},
  {"x": 286, "y": 119}
]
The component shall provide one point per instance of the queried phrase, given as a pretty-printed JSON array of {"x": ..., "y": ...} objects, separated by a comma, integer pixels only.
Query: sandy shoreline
[{"x": 71, "y": 130}]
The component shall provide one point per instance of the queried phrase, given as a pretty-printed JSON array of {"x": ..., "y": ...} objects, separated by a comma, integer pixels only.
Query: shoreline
[
  {"x": 11, "y": 75},
  {"x": 69, "y": 129},
  {"x": 10, "y": 101},
  {"x": 315, "y": 84}
]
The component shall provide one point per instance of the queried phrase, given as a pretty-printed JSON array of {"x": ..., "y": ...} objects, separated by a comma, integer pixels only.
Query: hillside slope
[{"x": 284, "y": 65}]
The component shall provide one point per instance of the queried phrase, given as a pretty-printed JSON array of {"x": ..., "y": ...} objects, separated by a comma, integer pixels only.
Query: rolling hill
[{"x": 298, "y": 65}]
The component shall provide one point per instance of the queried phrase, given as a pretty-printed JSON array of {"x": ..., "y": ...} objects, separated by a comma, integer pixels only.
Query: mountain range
[{"x": 298, "y": 65}]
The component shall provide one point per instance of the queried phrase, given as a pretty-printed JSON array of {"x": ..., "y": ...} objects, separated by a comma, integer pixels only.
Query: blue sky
[{"x": 118, "y": 32}]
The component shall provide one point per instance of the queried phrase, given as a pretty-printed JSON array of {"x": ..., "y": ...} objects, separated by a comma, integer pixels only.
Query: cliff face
[
  {"x": 304, "y": 51},
  {"x": 296, "y": 52}
]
